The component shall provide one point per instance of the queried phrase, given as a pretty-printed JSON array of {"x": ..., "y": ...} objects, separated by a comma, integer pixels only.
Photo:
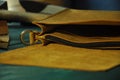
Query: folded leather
[
  {"x": 63, "y": 52},
  {"x": 86, "y": 17},
  {"x": 78, "y": 41},
  {"x": 4, "y": 37},
  {"x": 78, "y": 17}
]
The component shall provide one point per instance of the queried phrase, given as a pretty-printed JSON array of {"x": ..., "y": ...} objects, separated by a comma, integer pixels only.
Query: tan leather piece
[
  {"x": 4, "y": 36},
  {"x": 67, "y": 57},
  {"x": 3, "y": 28},
  {"x": 78, "y": 17},
  {"x": 76, "y": 40},
  {"x": 72, "y": 16},
  {"x": 80, "y": 39},
  {"x": 61, "y": 56}
]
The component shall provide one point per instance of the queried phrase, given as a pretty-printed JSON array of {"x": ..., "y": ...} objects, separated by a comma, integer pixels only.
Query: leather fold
[
  {"x": 68, "y": 48},
  {"x": 80, "y": 41}
]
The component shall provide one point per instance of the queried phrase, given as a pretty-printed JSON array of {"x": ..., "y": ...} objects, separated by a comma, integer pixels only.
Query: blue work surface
[{"x": 9, "y": 72}]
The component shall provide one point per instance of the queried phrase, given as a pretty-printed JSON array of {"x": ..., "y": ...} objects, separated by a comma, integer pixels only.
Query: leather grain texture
[
  {"x": 96, "y": 17},
  {"x": 78, "y": 17},
  {"x": 61, "y": 56}
]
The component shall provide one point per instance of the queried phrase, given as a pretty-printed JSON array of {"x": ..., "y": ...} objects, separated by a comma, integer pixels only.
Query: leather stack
[{"x": 4, "y": 37}]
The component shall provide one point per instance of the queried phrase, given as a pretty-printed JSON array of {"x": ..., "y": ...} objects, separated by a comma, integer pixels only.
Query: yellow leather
[
  {"x": 72, "y": 16},
  {"x": 76, "y": 38},
  {"x": 77, "y": 17},
  {"x": 61, "y": 56}
]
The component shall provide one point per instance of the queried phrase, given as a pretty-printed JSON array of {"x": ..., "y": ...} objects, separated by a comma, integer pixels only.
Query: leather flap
[
  {"x": 86, "y": 17},
  {"x": 61, "y": 56}
]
